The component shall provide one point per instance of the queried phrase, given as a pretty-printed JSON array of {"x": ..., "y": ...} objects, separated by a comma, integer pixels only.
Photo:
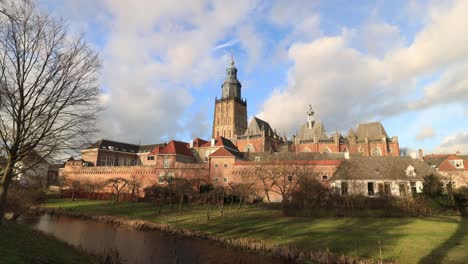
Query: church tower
[{"x": 230, "y": 113}]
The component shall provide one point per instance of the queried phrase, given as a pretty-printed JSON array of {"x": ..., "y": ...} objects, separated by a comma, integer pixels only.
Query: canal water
[{"x": 137, "y": 246}]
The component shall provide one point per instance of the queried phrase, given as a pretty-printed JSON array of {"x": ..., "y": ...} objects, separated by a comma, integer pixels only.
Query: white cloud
[
  {"x": 347, "y": 86},
  {"x": 426, "y": 132},
  {"x": 454, "y": 143}
]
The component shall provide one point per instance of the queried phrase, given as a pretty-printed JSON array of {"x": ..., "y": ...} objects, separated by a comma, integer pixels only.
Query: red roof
[
  {"x": 224, "y": 152},
  {"x": 174, "y": 148},
  {"x": 198, "y": 142},
  {"x": 446, "y": 165}
]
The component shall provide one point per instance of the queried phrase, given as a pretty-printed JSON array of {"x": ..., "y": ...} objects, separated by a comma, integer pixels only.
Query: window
[
  {"x": 402, "y": 189},
  {"x": 133, "y": 162},
  {"x": 257, "y": 159},
  {"x": 121, "y": 161},
  {"x": 387, "y": 189},
  {"x": 150, "y": 157},
  {"x": 290, "y": 178},
  {"x": 225, "y": 165},
  {"x": 215, "y": 180},
  {"x": 216, "y": 165},
  {"x": 110, "y": 161},
  {"x": 103, "y": 161},
  {"x": 413, "y": 187},
  {"x": 324, "y": 177},
  {"x": 410, "y": 171},
  {"x": 167, "y": 163},
  {"x": 344, "y": 188},
  {"x": 370, "y": 189},
  {"x": 127, "y": 162},
  {"x": 225, "y": 179},
  {"x": 458, "y": 164},
  {"x": 376, "y": 152}
]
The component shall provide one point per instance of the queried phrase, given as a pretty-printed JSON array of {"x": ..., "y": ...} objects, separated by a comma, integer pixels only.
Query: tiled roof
[
  {"x": 225, "y": 152},
  {"x": 198, "y": 142},
  {"x": 372, "y": 131},
  {"x": 317, "y": 130},
  {"x": 446, "y": 165},
  {"x": 177, "y": 148},
  {"x": 257, "y": 125},
  {"x": 381, "y": 168},
  {"x": 435, "y": 159}
]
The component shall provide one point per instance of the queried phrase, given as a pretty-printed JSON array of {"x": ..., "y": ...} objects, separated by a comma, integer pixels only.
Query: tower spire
[{"x": 231, "y": 86}]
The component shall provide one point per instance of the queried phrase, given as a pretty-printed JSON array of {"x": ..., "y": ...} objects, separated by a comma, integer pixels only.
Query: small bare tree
[
  {"x": 117, "y": 184},
  {"x": 48, "y": 88},
  {"x": 135, "y": 186}
]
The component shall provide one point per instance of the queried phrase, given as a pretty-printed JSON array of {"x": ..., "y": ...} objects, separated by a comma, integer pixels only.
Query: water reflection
[{"x": 139, "y": 246}]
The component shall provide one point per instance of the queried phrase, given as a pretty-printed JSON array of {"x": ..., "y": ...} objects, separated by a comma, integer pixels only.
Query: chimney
[
  {"x": 213, "y": 141},
  {"x": 191, "y": 144},
  {"x": 420, "y": 154}
]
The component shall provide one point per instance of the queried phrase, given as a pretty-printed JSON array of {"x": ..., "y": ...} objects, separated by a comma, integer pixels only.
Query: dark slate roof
[
  {"x": 267, "y": 156},
  {"x": 435, "y": 159},
  {"x": 257, "y": 125},
  {"x": 381, "y": 168},
  {"x": 372, "y": 131},
  {"x": 317, "y": 130},
  {"x": 120, "y": 146},
  {"x": 221, "y": 142}
]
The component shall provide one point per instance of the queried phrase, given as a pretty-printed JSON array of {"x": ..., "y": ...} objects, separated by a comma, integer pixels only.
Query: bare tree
[
  {"x": 135, "y": 185},
  {"x": 48, "y": 88},
  {"x": 117, "y": 184}
]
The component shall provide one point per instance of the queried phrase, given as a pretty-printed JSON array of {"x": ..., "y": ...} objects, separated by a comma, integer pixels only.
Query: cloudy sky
[{"x": 403, "y": 63}]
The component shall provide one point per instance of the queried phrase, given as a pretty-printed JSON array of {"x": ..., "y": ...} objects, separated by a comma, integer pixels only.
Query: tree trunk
[
  {"x": 181, "y": 201},
  {"x": 267, "y": 196},
  {"x": 3, "y": 196},
  {"x": 73, "y": 194},
  {"x": 240, "y": 202}
]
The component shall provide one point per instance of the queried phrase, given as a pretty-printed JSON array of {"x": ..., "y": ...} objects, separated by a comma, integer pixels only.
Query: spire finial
[{"x": 232, "y": 61}]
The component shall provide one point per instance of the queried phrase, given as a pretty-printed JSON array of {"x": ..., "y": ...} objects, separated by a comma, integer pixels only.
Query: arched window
[
  {"x": 249, "y": 148},
  {"x": 376, "y": 152}
]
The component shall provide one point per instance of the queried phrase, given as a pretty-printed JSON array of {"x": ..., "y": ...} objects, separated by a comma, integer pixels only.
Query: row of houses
[{"x": 219, "y": 162}]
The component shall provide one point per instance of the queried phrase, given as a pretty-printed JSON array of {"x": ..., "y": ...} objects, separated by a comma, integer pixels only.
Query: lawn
[
  {"x": 406, "y": 240},
  {"x": 20, "y": 244}
]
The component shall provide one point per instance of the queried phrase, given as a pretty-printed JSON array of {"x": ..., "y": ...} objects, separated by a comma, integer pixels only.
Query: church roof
[
  {"x": 372, "y": 131},
  {"x": 317, "y": 130},
  {"x": 198, "y": 142},
  {"x": 257, "y": 125}
]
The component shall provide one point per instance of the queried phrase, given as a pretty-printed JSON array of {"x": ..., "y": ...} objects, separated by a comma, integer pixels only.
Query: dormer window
[
  {"x": 410, "y": 171},
  {"x": 457, "y": 164}
]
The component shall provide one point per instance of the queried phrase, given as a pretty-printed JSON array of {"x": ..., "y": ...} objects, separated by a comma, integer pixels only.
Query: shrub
[{"x": 432, "y": 186}]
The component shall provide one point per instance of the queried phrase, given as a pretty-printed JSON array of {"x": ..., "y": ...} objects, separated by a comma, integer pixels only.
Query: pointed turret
[{"x": 231, "y": 86}]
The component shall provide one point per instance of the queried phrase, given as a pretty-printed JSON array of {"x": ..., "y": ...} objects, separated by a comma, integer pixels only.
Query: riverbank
[
  {"x": 20, "y": 244},
  {"x": 405, "y": 240}
]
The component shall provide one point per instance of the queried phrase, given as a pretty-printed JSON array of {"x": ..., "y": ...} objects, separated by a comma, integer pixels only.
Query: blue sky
[{"x": 398, "y": 62}]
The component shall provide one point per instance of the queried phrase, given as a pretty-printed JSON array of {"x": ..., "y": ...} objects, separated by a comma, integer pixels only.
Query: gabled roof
[
  {"x": 351, "y": 133},
  {"x": 447, "y": 165},
  {"x": 317, "y": 130},
  {"x": 198, "y": 142},
  {"x": 225, "y": 152},
  {"x": 435, "y": 159},
  {"x": 372, "y": 131},
  {"x": 257, "y": 125},
  {"x": 382, "y": 168},
  {"x": 149, "y": 148},
  {"x": 176, "y": 148},
  {"x": 221, "y": 142}
]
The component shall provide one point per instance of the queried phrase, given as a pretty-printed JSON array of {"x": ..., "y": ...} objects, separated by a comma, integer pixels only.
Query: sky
[{"x": 403, "y": 63}]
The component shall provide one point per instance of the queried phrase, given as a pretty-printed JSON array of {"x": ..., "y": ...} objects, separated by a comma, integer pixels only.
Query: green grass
[
  {"x": 20, "y": 244},
  {"x": 406, "y": 240}
]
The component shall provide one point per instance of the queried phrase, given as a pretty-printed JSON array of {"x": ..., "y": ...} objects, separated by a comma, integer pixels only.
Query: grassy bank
[
  {"x": 406, "y": 240},
  {"x": 20, "y": 244}
]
